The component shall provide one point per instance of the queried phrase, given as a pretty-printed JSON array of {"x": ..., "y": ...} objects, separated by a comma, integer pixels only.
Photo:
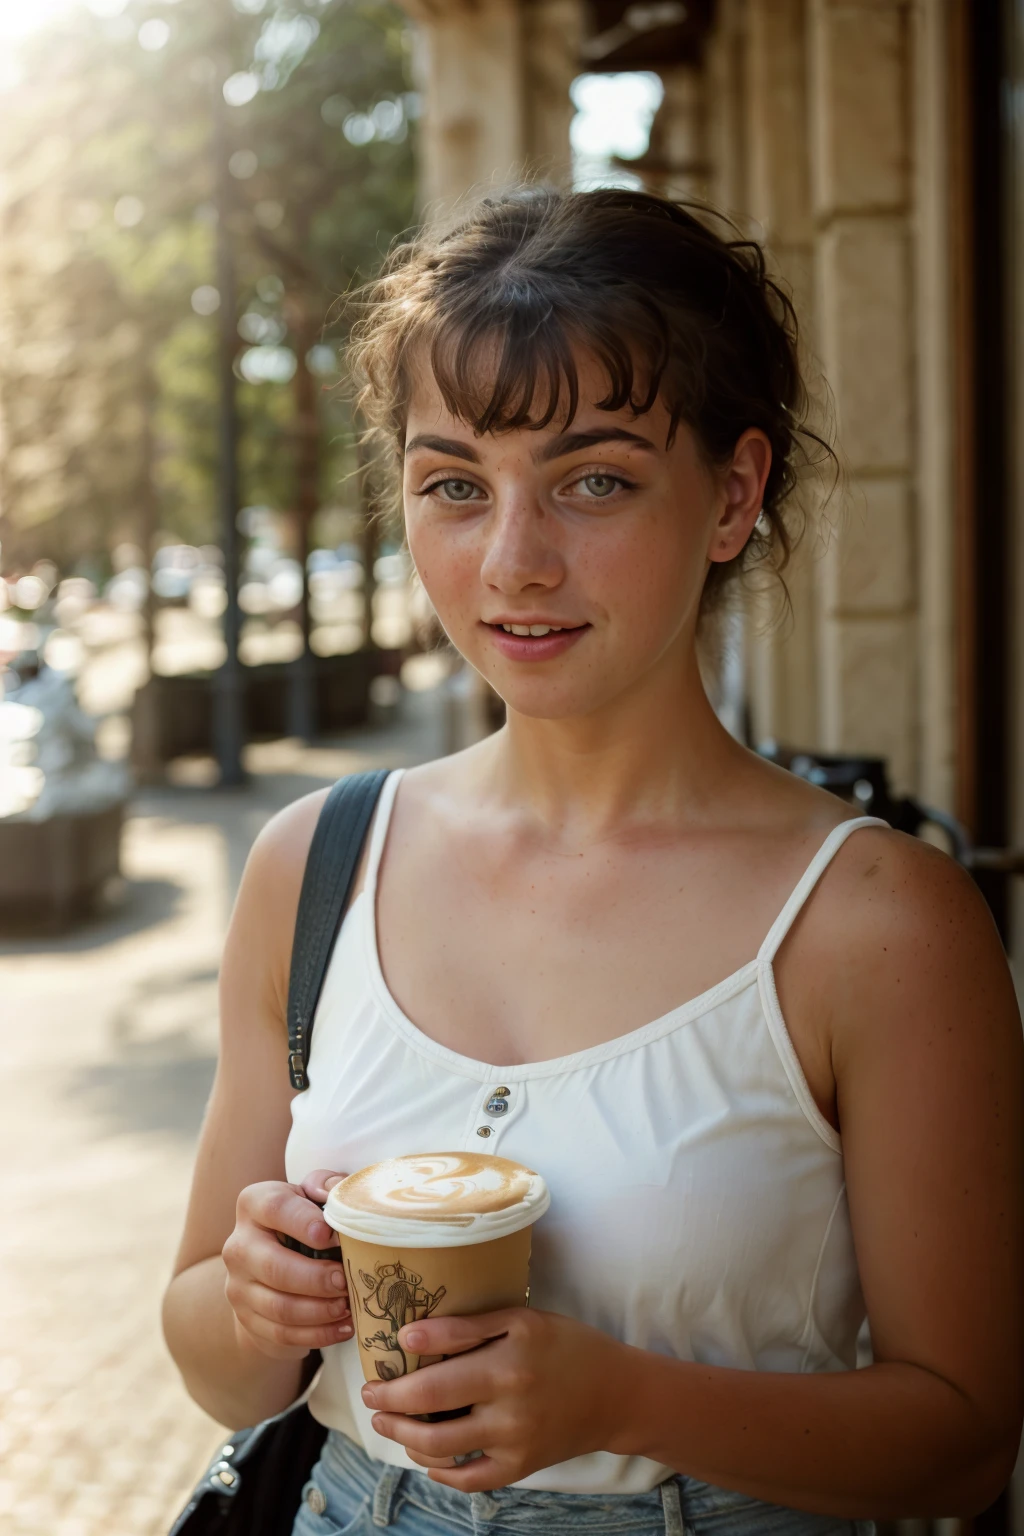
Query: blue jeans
[{"x": 352, "y": 1494}]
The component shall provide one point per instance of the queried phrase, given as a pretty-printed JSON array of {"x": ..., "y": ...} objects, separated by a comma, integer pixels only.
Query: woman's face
[{"x": 567, "y": 566}]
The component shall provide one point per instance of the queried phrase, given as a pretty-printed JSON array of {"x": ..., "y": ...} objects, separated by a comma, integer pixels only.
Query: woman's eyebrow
[
  {"x": 557, "y": 448},
  {"x": 573, "y": 442},
  {"x": 446, "y": 445}
]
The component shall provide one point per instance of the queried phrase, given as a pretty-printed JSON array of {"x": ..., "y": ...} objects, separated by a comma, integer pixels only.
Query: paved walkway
[{"x": 108, "y": 1039}]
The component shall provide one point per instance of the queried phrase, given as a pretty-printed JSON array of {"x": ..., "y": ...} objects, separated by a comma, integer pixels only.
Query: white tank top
[{"x": 698, "y": 1206}]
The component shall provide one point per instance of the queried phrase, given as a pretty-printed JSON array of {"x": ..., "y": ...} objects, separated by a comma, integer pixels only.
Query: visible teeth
[{"x": 536, "y": 630}]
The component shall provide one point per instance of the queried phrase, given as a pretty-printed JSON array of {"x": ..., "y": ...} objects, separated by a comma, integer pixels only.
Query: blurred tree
[
  {"x": 82, "y": 163},
  {"x": 107, "y": 274},
  {"x": 330, "y": 118}
]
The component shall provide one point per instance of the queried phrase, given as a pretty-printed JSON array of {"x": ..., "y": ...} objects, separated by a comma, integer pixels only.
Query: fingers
[
  {"x": 317, "y": 1185},
  {"x": 436, "y": 1388},
  {"x": 481, "y": 1475},
  {"x": 252, "y": 1253},
  {"x": 283, "y": 1301},
  {"x": 430, "y": 1461},
  {"x": 288, "y": 1321},
  {"x": 295, "y": 1337},
  {"x": 284, "y": 1208},
  {"x": 436, "y": 1443},
  {"x": 296, "y": 1311},
  {"x": 278, "y": 1338},
  {"x": 455, "y": 1335}
]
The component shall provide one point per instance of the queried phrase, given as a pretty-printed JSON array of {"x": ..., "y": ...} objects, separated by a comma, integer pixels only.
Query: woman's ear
[{"x": 742, "y": 495}]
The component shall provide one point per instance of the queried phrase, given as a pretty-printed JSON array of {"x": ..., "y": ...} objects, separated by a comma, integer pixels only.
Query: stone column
[
  {"x": 702, "y": 125},
  {"x": 495, "y": 77},
  {"x": 473, "y": 130},
  {"x": 782, "y": 652},
  {"x": 936, "y": 365},
  {"x": 725, "y": 71},
  {"x": 678, "y": 153},
  {"x": 552, "y": 38},
  {"x": 860, "y": 90}
]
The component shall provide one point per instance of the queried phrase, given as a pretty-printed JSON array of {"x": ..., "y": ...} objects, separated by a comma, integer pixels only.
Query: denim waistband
[
  {"x": 511, "y": 1509},
  {"x": 680, "y": 1506}
]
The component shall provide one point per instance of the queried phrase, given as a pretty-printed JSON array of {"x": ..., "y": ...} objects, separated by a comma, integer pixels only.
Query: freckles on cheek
[
  {"x": 647, "y": 589},
  {"x": 450, "y": 576},
  {"x": 621, "y": 576}
]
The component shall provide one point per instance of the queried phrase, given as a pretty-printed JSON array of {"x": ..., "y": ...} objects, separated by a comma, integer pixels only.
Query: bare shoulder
[
  {"x": 278, "y": 856},
  {"x": 257, "y": 954},
  {"x": 886, "y": 885},
  {"x": 899, "y": 930}
]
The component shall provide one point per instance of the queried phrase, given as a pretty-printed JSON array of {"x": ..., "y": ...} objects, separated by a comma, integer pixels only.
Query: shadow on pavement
[
  {"x": 161, "y": 1057},
  {"x": 129, "y": 907},
  {"x": 146, "y": 1093}
]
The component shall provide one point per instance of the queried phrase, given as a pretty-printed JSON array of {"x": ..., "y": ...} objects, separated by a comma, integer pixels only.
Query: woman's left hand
[{"x": 543, "y": 1388}]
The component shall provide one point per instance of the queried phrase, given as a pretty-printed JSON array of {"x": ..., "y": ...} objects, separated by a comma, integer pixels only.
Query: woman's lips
[{"x": 535, "y": 647}]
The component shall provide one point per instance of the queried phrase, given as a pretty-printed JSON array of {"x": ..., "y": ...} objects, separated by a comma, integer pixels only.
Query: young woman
[{"x": 766, "y": 1056}]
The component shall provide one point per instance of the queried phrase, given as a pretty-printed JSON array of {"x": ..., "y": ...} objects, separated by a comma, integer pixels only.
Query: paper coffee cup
[{"x": 443, "y": 1234}]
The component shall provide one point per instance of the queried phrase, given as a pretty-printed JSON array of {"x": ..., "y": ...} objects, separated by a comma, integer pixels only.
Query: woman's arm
[
  {"x": 242, "y": 1358},
  {"x": 927, "y": 1056},
  {"x": 927, "y": 1053}
]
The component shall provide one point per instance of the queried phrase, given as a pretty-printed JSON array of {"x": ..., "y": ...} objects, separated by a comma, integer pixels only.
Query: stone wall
[
  {"x": 783, "y": 654},
  {"x": 495, "y": 77},
  {"x": 820, "y": 125},
  {"x": 860, "y": 194},
  {"x": 828, "y": 140}
]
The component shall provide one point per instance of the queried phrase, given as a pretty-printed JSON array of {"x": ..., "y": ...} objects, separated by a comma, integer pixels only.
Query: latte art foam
[
  {"x": 439, "y": 1186},
  {"x": 439, "y": 1199}
]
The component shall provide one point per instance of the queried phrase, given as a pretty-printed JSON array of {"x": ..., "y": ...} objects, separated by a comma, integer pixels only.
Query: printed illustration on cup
[{"x": 394, "y": 1295}]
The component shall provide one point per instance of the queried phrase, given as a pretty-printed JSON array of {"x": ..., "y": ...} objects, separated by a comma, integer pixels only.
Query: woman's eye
[
  {"x": 600, "y": 485},
  {"x": 455, "y": 490}
]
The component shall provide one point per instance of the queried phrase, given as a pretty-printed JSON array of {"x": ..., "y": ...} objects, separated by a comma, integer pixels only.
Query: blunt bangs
[{"x": 512, "y": 363}]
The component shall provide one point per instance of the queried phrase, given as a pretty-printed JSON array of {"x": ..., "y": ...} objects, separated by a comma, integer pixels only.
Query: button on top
[
  {"x": 498, "y": 1101},
  {"x": 316, "y": 1500}
]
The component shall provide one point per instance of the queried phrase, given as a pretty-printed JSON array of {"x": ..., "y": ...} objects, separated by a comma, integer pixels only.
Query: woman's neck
[{"x": 657, "y": 753}]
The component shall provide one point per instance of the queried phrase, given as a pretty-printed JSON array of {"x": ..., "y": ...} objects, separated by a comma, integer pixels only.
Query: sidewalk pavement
[{"x": 109, "y": 1041}]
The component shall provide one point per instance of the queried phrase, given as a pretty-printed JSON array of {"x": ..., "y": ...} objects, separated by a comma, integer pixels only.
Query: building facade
[{"x": 863, "y": 142}]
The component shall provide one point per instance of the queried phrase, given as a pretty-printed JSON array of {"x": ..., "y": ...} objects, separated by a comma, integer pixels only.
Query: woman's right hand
[{"x": 285, "y": 1304}]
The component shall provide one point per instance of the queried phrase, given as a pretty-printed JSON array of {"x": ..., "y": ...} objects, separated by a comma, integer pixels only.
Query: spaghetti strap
[
  {"x": 379, "y": 835},
  {"x": 808, "y": 880}
]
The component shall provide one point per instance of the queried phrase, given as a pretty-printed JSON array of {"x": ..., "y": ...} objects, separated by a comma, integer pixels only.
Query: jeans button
[{"x": 317, "y": 1500}]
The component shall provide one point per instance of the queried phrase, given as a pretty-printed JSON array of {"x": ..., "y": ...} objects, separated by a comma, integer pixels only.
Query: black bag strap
[{"x": 329, "y": 875}]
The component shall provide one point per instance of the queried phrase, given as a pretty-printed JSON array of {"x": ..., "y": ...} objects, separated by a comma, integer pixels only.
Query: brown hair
[{"x": 668, "y": 306}]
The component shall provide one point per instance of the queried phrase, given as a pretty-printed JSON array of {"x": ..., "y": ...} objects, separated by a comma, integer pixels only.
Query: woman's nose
[{"x": 520, "y": 552}]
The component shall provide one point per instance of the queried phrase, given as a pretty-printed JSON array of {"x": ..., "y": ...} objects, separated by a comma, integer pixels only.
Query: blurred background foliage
[{"x": 108, "y": 261}]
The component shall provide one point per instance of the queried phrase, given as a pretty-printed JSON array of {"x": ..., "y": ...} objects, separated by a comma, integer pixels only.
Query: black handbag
[{"x": 254, "y": 1483}]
